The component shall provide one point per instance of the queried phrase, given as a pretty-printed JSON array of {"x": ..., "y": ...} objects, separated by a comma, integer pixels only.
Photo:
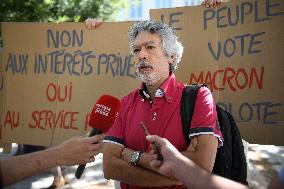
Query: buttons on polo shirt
[
  {"x": 154, "y": 116},
  {"x": 142, "y": 100},
  {"x": 170, "y": 99}
]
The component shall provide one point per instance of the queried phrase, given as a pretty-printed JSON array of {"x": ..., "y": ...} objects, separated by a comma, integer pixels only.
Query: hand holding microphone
[{"x": 102, "y": 117}]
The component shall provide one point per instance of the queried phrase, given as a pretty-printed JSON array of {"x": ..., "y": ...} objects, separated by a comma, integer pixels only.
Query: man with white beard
[{"x": 157, "y": 52}]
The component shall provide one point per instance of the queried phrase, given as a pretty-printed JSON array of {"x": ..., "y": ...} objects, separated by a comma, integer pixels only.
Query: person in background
[
  {"x": 77, "y": 150},
  {"x": 176, "y": 165},
  {"x": 211, "y": 3}
]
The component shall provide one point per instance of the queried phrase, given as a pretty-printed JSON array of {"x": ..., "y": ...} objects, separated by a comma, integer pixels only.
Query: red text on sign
[
  {"x": 234, "y": 79},
  {"x": 12, "y": 119},
  {"x": 45, "y": 119},
  {"x": 59, "y": 93}
]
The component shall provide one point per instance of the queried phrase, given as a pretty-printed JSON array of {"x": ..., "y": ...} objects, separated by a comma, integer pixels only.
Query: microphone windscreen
[{"x": 104, "y": 112}]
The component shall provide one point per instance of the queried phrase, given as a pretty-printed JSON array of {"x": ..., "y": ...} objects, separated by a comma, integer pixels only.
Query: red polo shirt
[{"x": 161, "y": 116}]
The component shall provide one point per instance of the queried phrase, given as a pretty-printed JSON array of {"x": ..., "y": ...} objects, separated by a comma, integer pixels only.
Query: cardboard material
[
  {"x": 246, "y": 73},
  {"x": 54, "y": 73},
  {"x": 1, "y": 92}
]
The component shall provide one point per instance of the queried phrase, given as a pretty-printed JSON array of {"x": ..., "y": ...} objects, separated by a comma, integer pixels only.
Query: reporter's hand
[
  {"x": 170, "y": 156},
  {"x": 211, "y": 3},
  {"x": 92, "y": 23},
  {"x": 78, "y": 150}
]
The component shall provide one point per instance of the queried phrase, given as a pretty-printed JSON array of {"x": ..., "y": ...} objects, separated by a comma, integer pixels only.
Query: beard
[{"x": 146, "y": 77}]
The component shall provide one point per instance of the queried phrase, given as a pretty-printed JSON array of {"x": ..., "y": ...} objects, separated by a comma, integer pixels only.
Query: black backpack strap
[{"x": 188, "y": 98}]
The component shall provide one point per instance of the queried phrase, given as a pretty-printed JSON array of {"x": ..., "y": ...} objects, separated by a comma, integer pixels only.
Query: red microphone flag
[{"x": 104, "y": 112}]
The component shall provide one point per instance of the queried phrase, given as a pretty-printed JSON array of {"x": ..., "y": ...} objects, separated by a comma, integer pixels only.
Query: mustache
[{"x": 143, "y": 64}]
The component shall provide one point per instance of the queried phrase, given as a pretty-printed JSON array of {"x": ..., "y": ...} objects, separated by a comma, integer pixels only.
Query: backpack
[{"x": 230, "y": 159}]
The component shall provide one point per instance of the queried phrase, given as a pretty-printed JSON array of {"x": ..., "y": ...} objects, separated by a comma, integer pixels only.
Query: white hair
[{"x": 170, "y": 42}]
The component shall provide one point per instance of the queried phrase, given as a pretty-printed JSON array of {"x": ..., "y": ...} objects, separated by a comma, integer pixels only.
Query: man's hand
[
  {"x": 92, "y": 23},
  {"x": 78, "y": 150},
  {"x": 211, "y": 3}
]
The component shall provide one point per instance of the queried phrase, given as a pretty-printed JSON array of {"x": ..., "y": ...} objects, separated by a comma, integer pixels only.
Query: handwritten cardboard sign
[
  {"x": 237, "y": 50},
  {"x": 54, "y": 73}
]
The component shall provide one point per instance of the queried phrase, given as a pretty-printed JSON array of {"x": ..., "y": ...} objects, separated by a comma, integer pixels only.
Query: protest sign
[
  {"x": 237, "y": 49},
  {"x": 54, "y": 73}
]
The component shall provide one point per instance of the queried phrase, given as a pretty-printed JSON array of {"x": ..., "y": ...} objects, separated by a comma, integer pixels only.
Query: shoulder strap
[{"x": 188, "y": 98}]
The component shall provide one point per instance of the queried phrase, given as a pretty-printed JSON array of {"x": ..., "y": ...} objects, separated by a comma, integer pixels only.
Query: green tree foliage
[{"x": 58, "y": 10}]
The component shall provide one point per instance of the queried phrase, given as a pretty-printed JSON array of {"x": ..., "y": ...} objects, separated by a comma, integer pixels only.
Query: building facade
[{"x": 139, "y": 9}]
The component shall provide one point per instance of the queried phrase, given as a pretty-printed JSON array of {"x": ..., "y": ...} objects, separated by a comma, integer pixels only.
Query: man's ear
[{"x": 171, "y": 59}]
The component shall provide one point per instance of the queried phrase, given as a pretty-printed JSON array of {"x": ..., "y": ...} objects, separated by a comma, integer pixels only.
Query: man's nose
[{"x": 143, "y": 54}]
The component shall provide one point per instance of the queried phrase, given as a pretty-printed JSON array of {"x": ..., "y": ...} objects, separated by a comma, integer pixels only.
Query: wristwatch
[{"x": 134, "y": 158}]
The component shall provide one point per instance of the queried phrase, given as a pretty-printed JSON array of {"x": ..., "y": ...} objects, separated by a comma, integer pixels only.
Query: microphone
[{"x": 102, "y": 117}]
